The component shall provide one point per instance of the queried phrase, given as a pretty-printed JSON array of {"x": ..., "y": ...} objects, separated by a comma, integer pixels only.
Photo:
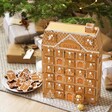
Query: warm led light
[
  {"x": 69, "y": 86},
  {"x": 48, "y": 50},
  {"x": 58, "y": 51}
]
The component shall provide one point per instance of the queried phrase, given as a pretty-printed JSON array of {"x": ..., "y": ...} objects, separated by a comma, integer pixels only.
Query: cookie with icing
[{"x": 11, "y": 76}]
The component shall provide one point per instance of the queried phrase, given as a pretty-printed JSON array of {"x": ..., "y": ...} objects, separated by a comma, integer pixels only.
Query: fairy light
[
  {"x": 88, "y": 5},
  {"x": 80, "y": 8},
  {"x": 95, "y": 0}
]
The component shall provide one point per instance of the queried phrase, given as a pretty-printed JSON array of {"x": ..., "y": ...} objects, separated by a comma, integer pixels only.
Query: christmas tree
[{"x": 71, "y": 11}]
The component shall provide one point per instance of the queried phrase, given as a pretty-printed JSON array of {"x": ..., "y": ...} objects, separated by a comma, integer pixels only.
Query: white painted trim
[{"x": 73, "y": 39}]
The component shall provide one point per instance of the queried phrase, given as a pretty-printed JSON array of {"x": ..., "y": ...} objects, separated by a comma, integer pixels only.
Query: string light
[
  {"x": 80, "y": 8},
  {"x": 87, "y": 5},
  {"x": 95, "y": 0}
]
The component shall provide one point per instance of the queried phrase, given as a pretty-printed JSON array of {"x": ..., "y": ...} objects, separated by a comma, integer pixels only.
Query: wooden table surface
[{"x": 12, "y": 103}]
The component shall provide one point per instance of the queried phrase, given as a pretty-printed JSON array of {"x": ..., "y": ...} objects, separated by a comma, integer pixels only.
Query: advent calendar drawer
[
  {"x": 69, "y": 72},
  {"x": 69, "y": 96},
  {"x": 49, "y": 85},
  {"x": 80, "y": 73},
  {"x": 90, "y": 83},
  {"x": 59, "y": 53},
  {"x": 48, "y": 51},
  {"x": 80, "y": 80},
  {"x": 59, "y": 78},
  {"x": 91, "y": 57},
  {"x": 79, "y": 89},
  {"x": 49, "y": 77},
  {"x": 69, "y": 63},
  {"x": 91, "y": 100},
  {"x": 49, "y": 69},
  {"x": 79, "y": 98},
  {"x": 59, "y": 61},
  {"x": 59, "y": 70},
  {"x": 80, "y": 56},
  {"x": 80, "y": 64},
  {"x": 90, "y": 91},
  {"x": 69, "y": 79},
  {"x": 91, "y": 75},
  {"x": 48, "y": 60},
  {"x": 59, "y": 86},
  {"x": 91, "y": 66},
  {"x": 69, "y": 55},
  {"x": 59, "y": 94},
  {"x": 49, "y": 93},
  {"x": 69, "y": 88}
]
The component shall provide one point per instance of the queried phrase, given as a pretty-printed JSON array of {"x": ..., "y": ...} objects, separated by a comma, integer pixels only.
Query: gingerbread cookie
[
  {"x": 24, "y": 86},
  {"x": 12, "y": 85},
  {"x": 11, "y": 76},
  {"x": 23, "y": 81},
  {"x": 34, "y": 77},
  {"x": 35, "y": 85},
  {"x": 24, "y": 72}
]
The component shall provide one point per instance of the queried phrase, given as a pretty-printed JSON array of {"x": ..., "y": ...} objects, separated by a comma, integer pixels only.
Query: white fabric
[
  {"x": 106, "y": 68},
  {"x": 38, "y": 42},
  {"x": 14, "y": 30},
  {"x": 39, "y": 66}
]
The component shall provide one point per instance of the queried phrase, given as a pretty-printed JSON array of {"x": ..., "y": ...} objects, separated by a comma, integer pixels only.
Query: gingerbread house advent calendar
[{"x": 72, "y": 61}]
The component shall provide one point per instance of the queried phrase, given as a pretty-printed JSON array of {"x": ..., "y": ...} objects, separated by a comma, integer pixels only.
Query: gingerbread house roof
[
  {"x": 70, "y": 28},
  {"x": 62, "y": 31}
]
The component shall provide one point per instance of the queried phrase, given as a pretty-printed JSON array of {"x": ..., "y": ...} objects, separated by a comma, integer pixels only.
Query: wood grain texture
[{"x": 12, "y": 103}]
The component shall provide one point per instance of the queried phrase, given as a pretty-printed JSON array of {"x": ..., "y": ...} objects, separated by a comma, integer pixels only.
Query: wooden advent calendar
[{"x": 72, "y": 61}]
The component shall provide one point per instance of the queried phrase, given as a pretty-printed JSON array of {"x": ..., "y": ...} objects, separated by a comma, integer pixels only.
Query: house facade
[{"x": 72, "y": 61}]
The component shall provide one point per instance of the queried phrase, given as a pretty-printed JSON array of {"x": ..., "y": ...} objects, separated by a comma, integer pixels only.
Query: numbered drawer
[
  {"x": 69, "y": 79},
  {"x": 48, "y": 60},
  {"x": 89, "y": 91},
  {"x": 69, "y": 55},
  {"x": 91, "y": 75},
  {"x": 80, "y": 56},
  {"x": 59, "y": 61},
  {"x": 59, "y": 94},
  {"x": 80, "y": 73},
  {"x": 59, "y": 70},
  {"x": 79, "y": 98},
  {"x": 91, "y": 100},
  {"x": 69, "y": 88},
  {"x": 69, "y": 71},
  {"x": 49, "y": 85},
  {"x": 59, "y": 53},
  {"x": 91, "y": 66},
  {"x": 51, "y": 38},
  {"x": 49, "y": 77},
  {"x": 91, "y": 57},
  {"x": 80, "y": 80},
  {"x": 48, "y": 93},
  {"x": 90, "y": 83},
  {"x": 49, "y": 69},
  {"x": 59, "y": 77},
  {"x": 59, "y": 86},
  {"x": 69, "y": 96},
  {"x": 89, "y": 42},
  {"x": 79, "y": 89},
  {"x": 69, "y": 63},
  {"x": 80, "y": 64},
  {"x": 48, "y": 51}
]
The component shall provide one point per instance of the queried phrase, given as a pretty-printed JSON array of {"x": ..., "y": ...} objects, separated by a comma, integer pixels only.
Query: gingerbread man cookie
[
  {"x": 24, "y": 80},
  {"x": 11, "y": 76}
]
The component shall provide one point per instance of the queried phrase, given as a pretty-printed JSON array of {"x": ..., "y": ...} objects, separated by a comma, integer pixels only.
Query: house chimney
[{"x": 90, "y": 28}]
